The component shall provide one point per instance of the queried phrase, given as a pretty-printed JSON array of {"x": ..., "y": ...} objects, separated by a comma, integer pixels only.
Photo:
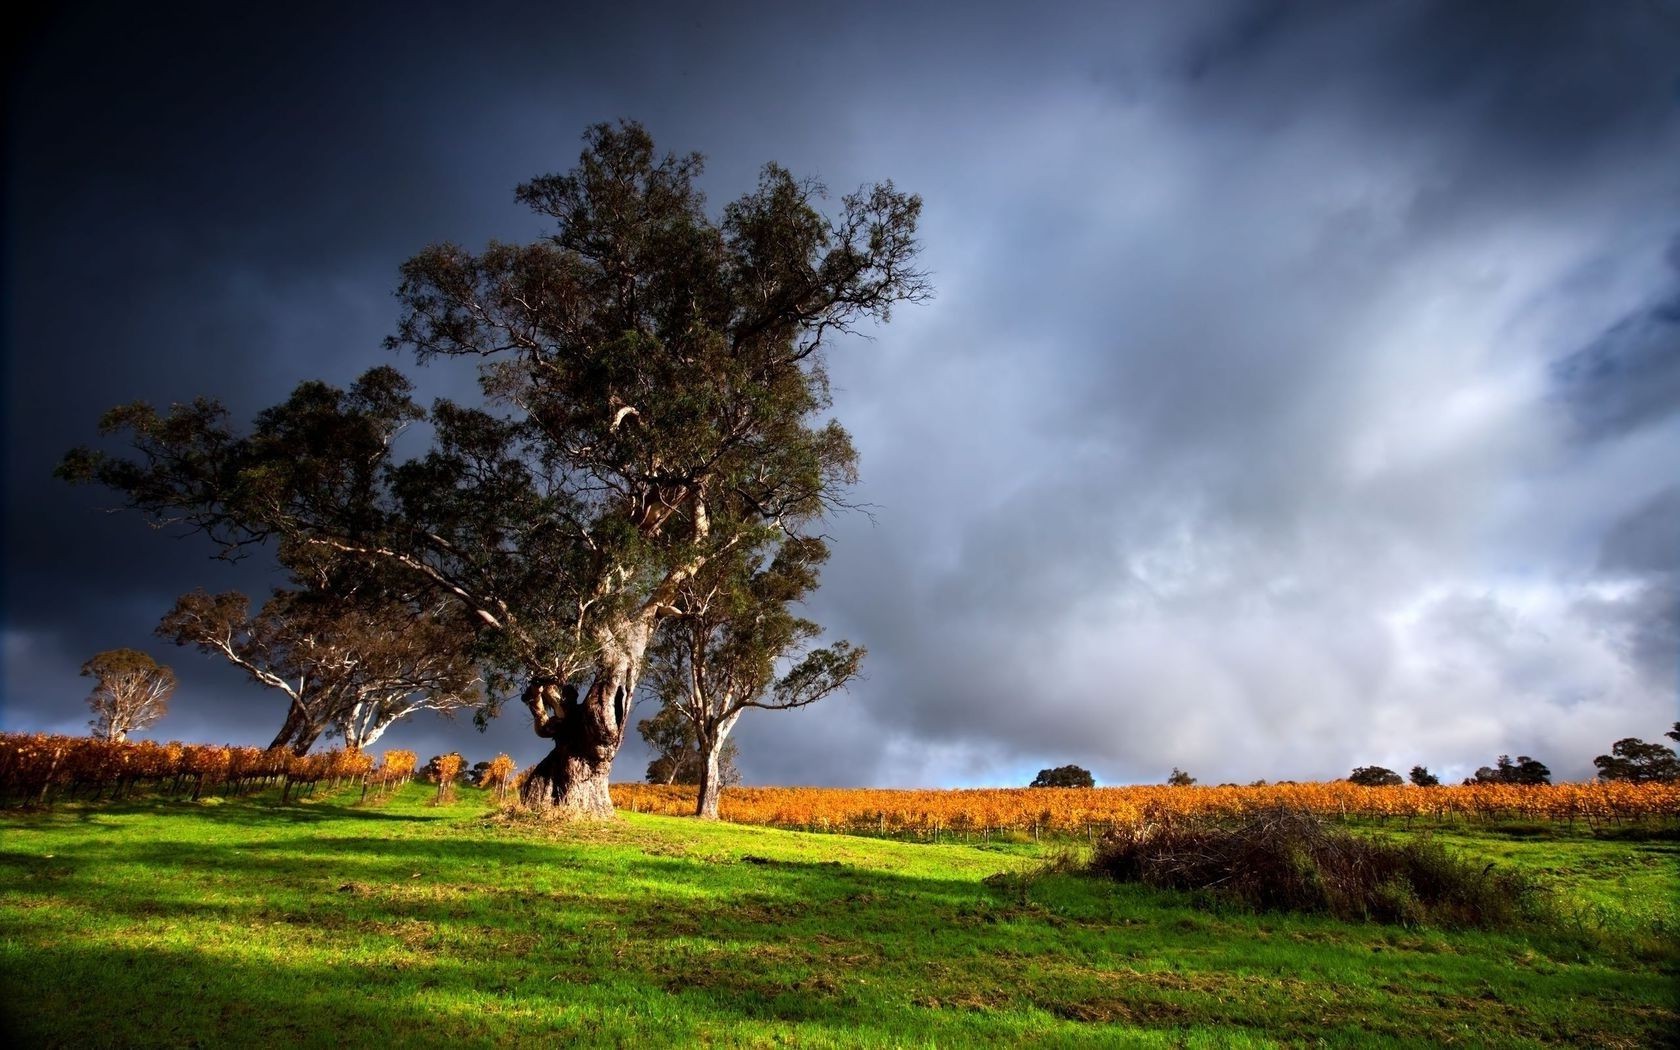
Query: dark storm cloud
[
  {"x": 1628, "y": 377},
  {"x": 1243, "y": 435}
]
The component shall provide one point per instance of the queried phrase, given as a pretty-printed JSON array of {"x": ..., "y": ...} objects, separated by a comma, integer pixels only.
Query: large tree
[
  {"x": 347, "y": 663},
  {"x": 131, "y": 692},
  {"x": 654, "y": 390},
  {"x": 1634, "y": 760},
  {"x": 732, "y": 629}
]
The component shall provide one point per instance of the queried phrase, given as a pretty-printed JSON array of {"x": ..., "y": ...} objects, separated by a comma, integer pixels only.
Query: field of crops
[
  {"x": 38, "y": 768},
  {"x": 1081, "y": 811}
]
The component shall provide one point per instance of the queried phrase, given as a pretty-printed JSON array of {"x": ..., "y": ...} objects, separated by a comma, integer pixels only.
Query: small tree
[
  {"x": 677, "y": 755},
  {"x": 131, "y": 693},
  {"x": 1064, "y": 777},
  {"x": 1423, "y": 778},
  {"x": 1634, "y": 760},
  {"x": 1180, "y": 778},
  {"x": 1374, "y": 776},
  {"x": 731, "y": 628},
  {"x": 1674, "y": 734}
]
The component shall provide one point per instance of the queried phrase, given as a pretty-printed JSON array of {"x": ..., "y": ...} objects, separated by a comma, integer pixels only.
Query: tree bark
[
  {"x": 706, "y": 807},
  {"x": 711, "y": 770},
  {"x": 299, "y": 732},
  {"x": 571, "y": 781}
]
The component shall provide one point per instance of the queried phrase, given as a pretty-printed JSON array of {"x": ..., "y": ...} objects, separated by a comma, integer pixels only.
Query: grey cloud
[{"x": 1236, "y": 438}]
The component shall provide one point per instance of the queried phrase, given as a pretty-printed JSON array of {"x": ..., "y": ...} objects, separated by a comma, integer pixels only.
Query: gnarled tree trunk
[{"x": 571, "y": 782}]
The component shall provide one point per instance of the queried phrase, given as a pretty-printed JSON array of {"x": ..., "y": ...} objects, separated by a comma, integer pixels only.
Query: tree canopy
[
  {"x": 1524, "y": 770},
  {"x": 1634, "y": 760},
  {"x": 1374, "y": 776},
  {"x": 654, "y": 393},
  {"x": 131, "y": 691},
  {"x": 1064, "y": 777}
]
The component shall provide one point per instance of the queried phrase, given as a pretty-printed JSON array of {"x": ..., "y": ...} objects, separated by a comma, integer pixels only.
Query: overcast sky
[{"x": 1302, "y": 388}]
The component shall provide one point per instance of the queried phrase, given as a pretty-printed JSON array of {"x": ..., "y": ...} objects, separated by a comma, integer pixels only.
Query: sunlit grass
[{"x": 331, "y": 924}]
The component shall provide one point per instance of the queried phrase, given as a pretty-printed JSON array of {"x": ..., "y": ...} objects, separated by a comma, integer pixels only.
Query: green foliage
[
  {"x": 1179, "y": 778},
  {"x": 1420, "y": 776},
  {"x": 1374, "y": 776},
  {"x": 677, "y": 755},
  {"x": 1064, "y": 777},
  {"x": 1524, "y": 770},
  {"x": 654, "y": 393},
  {"x": 1634, "y": 760},
  {"x": 131, "y": 692}
]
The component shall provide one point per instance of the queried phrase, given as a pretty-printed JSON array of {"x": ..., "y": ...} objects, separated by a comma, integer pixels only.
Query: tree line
[
  {"x": 1630, "y": 759},
  {"x": 632, "y": 507}
]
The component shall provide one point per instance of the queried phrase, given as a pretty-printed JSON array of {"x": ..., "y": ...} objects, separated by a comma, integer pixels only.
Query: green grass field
[{"x": 245, "y": 923}]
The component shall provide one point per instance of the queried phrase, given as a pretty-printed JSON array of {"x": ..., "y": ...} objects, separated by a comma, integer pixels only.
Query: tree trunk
[
  {"x": 711, "y": 785},
  {"x": 711, "y": 769},
  {"x": 571, "y": 782},
  {"x": 299, "y": 733},
  {"x": 569, "y": 786}
]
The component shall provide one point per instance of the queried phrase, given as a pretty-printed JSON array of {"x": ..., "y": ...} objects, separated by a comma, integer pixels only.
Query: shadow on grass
[{"x": 364, "y": 932}]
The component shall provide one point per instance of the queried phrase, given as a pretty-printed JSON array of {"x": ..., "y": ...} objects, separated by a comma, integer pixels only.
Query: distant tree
[
  {"x": 347, "y": 664},
  {"x": 1180, "y": 779},
  {"x": 131, "y": 692},
  {"x": 475, "y": 774},
  {"x": 1674, "y": 734},
  {"x": 1634, "y": 760},
  {"x": 1423, "y": 778},
  {"x": 677, "y": 756},
  {"x": 1063, "y": 777},
  {"x": 1374, "y": 776},
  {"x": 1524, "y": 770}
]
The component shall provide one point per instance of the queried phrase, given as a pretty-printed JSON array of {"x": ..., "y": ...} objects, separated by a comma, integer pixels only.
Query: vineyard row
[
  {"x": 38, "y": 768},
  {"x": 1077, "y": 811}
]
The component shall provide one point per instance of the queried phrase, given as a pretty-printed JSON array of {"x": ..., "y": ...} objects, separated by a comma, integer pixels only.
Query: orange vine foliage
[
  {"x": 448, "y": 766},
  {"x": 1077, "y": 810},
  {"x": 499, "y": 775},
  {"x": 397, "y": 765},
  {"x": 33, "y": 766}
]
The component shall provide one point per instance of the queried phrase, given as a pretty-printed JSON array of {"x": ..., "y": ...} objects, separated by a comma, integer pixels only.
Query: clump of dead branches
[{"x": 1289, "y": 860}]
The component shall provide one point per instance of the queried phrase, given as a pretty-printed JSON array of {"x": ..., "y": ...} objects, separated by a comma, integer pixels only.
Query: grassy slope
[{"x": 332, "y": 925}]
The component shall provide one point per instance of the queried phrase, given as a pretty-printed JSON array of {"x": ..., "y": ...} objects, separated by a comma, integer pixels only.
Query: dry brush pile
[{"x": 1288, "y": 860}]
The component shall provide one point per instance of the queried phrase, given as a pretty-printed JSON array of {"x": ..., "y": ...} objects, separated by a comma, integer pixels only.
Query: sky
[{"x": 1301, "y": 389}]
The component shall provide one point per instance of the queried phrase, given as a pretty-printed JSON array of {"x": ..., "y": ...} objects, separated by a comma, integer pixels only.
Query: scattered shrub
[{"x": 1288, "y": 860}]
